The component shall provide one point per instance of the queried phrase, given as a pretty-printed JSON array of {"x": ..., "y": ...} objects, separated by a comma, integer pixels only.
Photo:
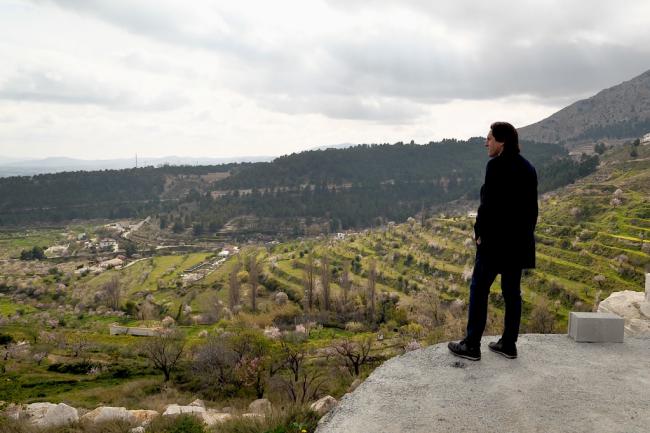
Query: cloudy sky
[{"x": 111, "y": 78}]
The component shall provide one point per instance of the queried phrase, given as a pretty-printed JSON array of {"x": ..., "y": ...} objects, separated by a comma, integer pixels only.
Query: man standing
[{"x": 505, "y": 242}]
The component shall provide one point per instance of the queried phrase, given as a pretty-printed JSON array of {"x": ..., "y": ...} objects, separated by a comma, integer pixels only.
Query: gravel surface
[{"x": 555, "y": 385}]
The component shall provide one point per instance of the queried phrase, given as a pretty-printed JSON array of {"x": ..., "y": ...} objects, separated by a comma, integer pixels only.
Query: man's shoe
[
  {"x": 507, "y": 350},
  {"x": 462, "y": 349}
]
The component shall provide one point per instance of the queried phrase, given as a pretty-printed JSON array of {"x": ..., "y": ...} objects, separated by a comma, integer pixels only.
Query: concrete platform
[{"x": 556, "y": 385}]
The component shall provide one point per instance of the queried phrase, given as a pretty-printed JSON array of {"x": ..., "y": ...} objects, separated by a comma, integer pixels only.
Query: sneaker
[
  {"x": 463, "y": 350},
  {"x": 507, "y": 350}
]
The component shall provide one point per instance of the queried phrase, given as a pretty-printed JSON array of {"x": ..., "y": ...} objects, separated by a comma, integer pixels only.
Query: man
[{"x": 505, "y": 243}]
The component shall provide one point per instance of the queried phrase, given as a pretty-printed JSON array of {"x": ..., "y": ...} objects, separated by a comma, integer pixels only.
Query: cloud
[{"x": 63, "y": 88}]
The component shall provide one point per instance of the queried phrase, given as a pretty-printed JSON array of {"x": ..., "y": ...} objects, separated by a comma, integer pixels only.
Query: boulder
[
  {"x": 212, "y": 417},
  {"x": 323, "y": 405},
  {"x": 144, "y": 417},
  {"x": 168, "y": 321},
  {"x": 13, "y": 411},
  {"x": 51, "y": 415},
  {"x": 260, "y": 406},
  {"x": 108, "y": 413},
  {"x": 281, "y": 298},
  {"x": 198, "y": 402},
  {"x": 632, "y": 307},
  {"x": 175, "y": 409}
]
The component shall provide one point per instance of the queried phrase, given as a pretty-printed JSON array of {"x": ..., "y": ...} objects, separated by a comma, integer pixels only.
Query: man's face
[{"x": 494, "y": 147}]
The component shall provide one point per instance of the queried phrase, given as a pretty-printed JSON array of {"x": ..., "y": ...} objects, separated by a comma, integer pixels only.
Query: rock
[
  {"x": 260, "y": 406},
  {"x": 281, "y": 298},
  {"x": 212, "y": 417},
  {"x": 175, "y": 409},
  {"x": 203, "y": 334},
  {"x": 227, "y": 409},
  {"x": 51, "y": 415},
  {"x": 138, "y": 429},
  {"x": 323, "y": 405},
  {"x": 167, "y": 321},
  {"x": 198, "y": 402},
  {"x": 108, "y": 413},
  {"x": 632, "y": 307},
  {"x": 13, "y": 411},
  {"x": 144, "y": 417},
  {"x": 253, "y": 416},
  {"x": 354, "y": 385}
]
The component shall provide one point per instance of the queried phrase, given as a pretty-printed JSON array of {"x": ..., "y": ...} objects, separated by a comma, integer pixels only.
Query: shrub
[
  {"x": 83, "y": 367},
  {"x": 177, "y": 424}
]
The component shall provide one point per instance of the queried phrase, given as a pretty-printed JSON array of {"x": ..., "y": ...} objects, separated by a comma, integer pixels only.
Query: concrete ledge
[{"x": 596, "y": 327}]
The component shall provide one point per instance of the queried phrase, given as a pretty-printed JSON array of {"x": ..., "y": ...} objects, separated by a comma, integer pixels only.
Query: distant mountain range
[
  {"x": 613, "y": 115},
  {"x": 26, "y": 167},
  {"x": 11, "y": 166}
]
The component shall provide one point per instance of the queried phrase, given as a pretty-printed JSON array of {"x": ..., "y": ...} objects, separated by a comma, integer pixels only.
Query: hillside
[
  {"x": 340, "y": 305},
  {"x": 306, "y": 193},
  {"x": 621, "y": 112}
]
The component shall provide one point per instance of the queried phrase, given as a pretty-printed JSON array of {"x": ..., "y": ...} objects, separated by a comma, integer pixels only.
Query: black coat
[{"x": 507, "y": 214}]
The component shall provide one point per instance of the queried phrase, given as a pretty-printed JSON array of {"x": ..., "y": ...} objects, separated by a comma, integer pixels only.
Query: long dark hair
[{"x": 505, "y": 133}]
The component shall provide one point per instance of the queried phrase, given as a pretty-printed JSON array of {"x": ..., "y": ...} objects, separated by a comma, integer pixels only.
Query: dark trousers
[{"x": 479, "y": 290}]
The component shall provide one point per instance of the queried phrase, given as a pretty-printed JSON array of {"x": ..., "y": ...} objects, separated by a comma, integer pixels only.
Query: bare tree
[
  {"x": 325, "y": 281},
  {"x": 309, "y": 281},
  {"x": 354, "y": 353},
  {"x": 372, "y": 295},
  {"x": 301, "y": 383},
  {"x": 253, "y": 280},
  {"x": 164, "y": 350},
  {"x": 77, "y": 343},
  {"x": 112, "y": 293},
  {"x": 234, "y": 287},
  {"x": 345, "y": 280}
]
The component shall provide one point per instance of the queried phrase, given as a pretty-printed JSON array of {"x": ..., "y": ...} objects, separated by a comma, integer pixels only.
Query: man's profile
[{"x": 505, "y": 242}]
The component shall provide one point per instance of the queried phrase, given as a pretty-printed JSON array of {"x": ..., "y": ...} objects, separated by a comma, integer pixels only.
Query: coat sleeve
[{"x": 487, "y": 206}]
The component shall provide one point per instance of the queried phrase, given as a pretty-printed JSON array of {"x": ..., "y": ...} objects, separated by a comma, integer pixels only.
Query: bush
[
  {"x": 177, "y": 424},
  {"x": 294, "y": 419},
  {"x": 83, "y": 367}
]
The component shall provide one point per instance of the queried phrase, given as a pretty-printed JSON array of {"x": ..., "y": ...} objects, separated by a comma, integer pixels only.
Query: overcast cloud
[{"x": 110, "y": 78}]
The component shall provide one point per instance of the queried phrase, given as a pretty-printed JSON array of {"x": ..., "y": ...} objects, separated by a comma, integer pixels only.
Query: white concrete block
[{"x": 596, "y": 327}]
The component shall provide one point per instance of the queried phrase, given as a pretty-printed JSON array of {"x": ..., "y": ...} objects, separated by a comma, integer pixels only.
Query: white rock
[
  {"x": 144, "y": 417},
  {"x": 197, "y": 402},
  {"x": 168, "y": 321},
  {"x": 323, "y": 405},
  {"x": 108, "y": 413},
  {"x": 281, "y": 298},
  {"x": 212, "y": 417},
  {"x": 51, "y": 415},
  {"x": 632, "y": 307},
  {"x": 260, "y": 406},
  {"x": 175, "y": 409},
  {"x": 253, "y": 416}
]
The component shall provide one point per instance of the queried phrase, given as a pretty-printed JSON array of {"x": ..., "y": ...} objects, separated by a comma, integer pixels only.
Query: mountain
[
  {"x": 339, "y": 188},
  {"x": 613, "y": 115}
]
